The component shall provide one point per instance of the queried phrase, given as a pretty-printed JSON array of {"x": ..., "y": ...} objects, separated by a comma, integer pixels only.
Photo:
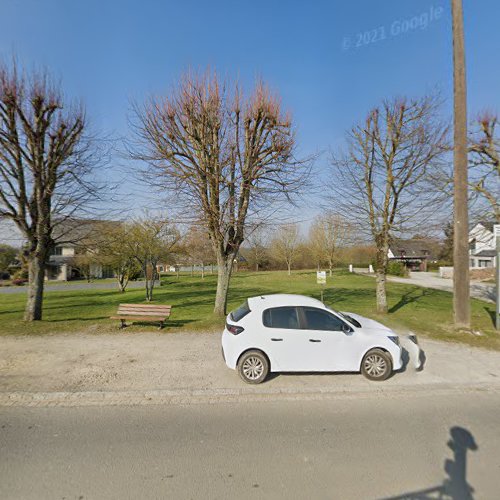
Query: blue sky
[{"x": 109, "y": 52}]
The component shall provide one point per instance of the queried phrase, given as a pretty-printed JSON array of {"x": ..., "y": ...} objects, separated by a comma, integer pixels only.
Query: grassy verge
[{"x": 424, "y": 311}]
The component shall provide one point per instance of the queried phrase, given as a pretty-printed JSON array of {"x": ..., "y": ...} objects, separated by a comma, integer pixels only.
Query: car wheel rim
[
  {"x": 253, "y": 368},
  {"x": 375, "y": 365}
]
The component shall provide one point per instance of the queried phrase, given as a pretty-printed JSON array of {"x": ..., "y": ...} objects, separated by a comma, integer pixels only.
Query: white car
[{"x": 294, "y": 333}]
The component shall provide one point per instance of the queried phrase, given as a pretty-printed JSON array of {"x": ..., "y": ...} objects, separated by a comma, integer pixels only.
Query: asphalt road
[
  {"x": 72, "y": 286},
  {"x": 362, "y": 448}
]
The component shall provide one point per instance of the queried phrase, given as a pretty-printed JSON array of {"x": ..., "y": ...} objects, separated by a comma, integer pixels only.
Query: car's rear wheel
[
  {"x": 253, "y": 367},
  {"x": 376, "y": 365}
]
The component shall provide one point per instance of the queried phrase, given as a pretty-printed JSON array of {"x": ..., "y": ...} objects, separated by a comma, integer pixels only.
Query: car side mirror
[{"x": 347, "y": 329}]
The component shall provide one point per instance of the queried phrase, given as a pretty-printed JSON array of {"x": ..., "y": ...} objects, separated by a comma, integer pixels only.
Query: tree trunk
[
  {"x": 381, "y": 293},
  {"x": 461, "y": 290},
  {"x": 122, "y": 282},
  {"x": 192, "y": 270},
  {"x": 34, "y": 303},
  {"x": 289, "y": 269},
  {"x": 203, "y": 271},
  {"x": 224, "y": 269},
  {"x": 256, "y": 267},
  {"x": 381, "y": 279},
  {"x": 150, "y": 275}
]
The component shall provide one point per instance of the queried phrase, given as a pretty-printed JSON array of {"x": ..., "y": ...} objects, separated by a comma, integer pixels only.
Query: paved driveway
[{"x": 483, "y": 291}]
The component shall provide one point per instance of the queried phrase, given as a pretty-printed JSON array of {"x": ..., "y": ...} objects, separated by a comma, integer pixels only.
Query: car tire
[
  {"x": 376, "y": 365},
  {"x": 253, "y": 367}
]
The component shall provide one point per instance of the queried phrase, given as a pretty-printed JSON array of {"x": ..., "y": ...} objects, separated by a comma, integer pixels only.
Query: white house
[
  {"x": 482, "y": 246},
  {"x": 75, "y": 237},
  {"x": 61, "y": 265}
]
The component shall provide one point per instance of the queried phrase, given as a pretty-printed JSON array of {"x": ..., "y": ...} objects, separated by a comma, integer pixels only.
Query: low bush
[
  {"x": 19, "y": 281},
  {"x": 397, "y": 269}
]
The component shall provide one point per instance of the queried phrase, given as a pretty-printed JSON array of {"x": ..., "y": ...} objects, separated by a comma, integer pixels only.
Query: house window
[
  {"x": 485, "y": 263},
  {"x": 472, "y": 245},
  {"x": 57, "y": 251}
]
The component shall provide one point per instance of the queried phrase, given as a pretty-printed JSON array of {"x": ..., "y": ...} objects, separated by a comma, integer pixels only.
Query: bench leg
[
  {"x": 161, "y": 325},
  {"x": 123, "y": 324}
]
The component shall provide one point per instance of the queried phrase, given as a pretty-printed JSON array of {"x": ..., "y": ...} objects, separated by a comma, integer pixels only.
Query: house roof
[
  {"x": 488, "y": 225},
  {"x": 486, "y": 253},
  {"x": 414, "y": 248},
  {"x": 75, "y": 232}
]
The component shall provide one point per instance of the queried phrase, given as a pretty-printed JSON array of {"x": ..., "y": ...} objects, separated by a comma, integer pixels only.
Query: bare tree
[
  {"x": 117, "y": 255},
  {"x": 484, "y": 164},
  {"x": 380, "y": 184},
  {"x": 45, "y": 167},
  {"x": 198, "y": 247},
  {"x": 256, "y": 240},
  {"x": 327, "y": 235},
  {"x": 150, "y": 240},
  {"x": 8, "y": 255},
  {"x": 226, "y": 157},
  {"x": 461, "y": 290},
  {"x": 286, "y": 244}
]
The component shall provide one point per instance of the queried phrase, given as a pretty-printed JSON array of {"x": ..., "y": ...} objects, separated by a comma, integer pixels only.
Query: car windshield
[{"x": 348, "y": 318}]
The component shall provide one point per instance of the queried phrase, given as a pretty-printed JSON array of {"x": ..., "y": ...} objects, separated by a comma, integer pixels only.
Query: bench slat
[
  {"x": 144, "y": 309},
  {"x": 139, "y": 318},
  {"x": 148, "y": 306},
  {"x": 143, "y": 313}
]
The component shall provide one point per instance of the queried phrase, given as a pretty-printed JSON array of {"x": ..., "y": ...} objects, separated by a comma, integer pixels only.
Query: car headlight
[
  {"x": 413, "y": 338},
  {"x": 395, "y": 340}
]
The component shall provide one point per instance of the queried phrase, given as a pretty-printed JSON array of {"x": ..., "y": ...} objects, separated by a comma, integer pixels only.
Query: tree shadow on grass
[
  {"x": 410, "y": 297},
  {"x": 491, "y": 313},
  {"x": 338, "y": 295},
  {"x": 455, "y": 485}
]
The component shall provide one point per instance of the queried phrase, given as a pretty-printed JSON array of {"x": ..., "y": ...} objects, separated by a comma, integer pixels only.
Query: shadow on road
[{"x": 455, "y": 486}]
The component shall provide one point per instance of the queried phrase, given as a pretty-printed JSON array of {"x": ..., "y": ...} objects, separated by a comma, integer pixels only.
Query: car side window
[
  {"x": 281, "y": 317},
  {"x": 317, "y": 319}
]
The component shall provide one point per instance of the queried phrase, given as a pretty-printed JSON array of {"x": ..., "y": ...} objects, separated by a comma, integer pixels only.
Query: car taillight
[{"x": 235, "y": 330}]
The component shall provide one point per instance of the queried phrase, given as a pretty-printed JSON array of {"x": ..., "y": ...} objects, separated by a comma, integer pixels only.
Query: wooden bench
[{"x": 142, "y": 312}]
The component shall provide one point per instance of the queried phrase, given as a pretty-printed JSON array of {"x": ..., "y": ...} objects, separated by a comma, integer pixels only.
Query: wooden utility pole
[{"x": 461, "y": 291}]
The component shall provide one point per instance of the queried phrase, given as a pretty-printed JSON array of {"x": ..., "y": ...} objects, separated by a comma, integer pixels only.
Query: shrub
[
  {"x": 396, "y": 268},
  {"x": 19, "y": 281}
]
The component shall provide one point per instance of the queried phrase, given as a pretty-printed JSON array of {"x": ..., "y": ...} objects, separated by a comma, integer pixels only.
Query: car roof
[{"x": 282, "y": 299}]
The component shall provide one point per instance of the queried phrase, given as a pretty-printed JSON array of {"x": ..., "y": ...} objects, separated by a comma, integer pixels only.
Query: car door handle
[
  {"x": 314, "y": 340},
  {"x": 277, "y": 340}
]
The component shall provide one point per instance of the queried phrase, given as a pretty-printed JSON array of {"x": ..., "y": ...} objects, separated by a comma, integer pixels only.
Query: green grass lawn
[{"x": 424, "y": 311}]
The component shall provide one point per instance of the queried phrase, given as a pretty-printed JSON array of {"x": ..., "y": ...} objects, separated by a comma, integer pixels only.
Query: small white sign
[{"x": 321, "y": 277}]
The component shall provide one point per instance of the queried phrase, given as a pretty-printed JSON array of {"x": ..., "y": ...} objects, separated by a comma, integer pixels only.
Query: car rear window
[
  {"x": 241, "y": 312},
  {"x": 281, "y": 317}
]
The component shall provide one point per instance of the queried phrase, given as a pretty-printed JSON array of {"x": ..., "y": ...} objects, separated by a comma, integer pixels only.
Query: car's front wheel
[
  {"x": 253, "y": 367},
  {"x": 376, "y": 365}
]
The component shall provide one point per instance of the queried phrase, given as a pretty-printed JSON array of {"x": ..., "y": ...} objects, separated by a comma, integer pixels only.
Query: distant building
[
  {"x": 74, "y": 237},
  {"x": 482, "y": 246},
  {"x": 414, "y": 253}
]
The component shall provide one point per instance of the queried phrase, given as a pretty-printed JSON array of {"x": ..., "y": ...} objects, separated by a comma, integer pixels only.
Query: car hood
[{"x": 370, "y": 324}]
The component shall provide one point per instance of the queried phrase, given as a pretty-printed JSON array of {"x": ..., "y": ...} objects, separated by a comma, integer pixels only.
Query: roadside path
[{"x": 156, "y": 368}]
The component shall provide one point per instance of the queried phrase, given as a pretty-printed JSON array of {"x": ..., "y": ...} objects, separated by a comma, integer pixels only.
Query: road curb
[{"x": 217, "y": 396}]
